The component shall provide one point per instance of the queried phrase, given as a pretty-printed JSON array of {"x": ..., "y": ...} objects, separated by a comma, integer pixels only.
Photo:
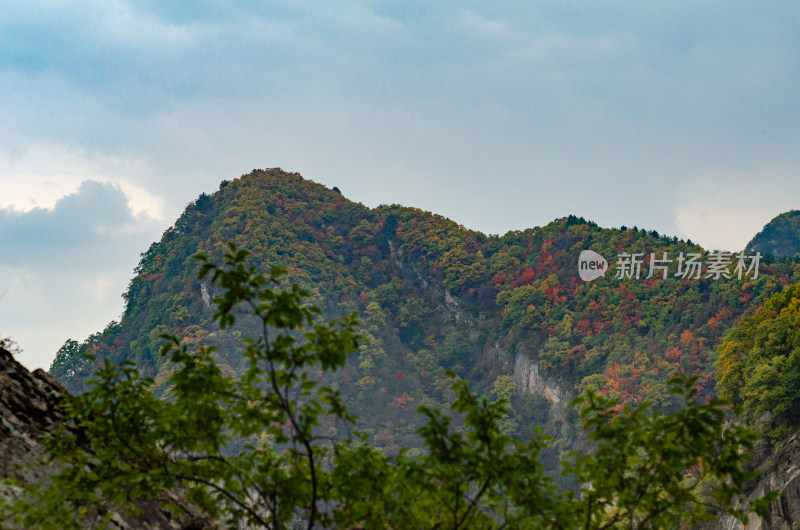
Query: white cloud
[
  {"x": 98, "y": 288},
  {"x": 41, "y": 310},
  {"x": 724, "y": 210},
  {"x": 63, "y": 268},
  {"x": 40, "y": 174}
]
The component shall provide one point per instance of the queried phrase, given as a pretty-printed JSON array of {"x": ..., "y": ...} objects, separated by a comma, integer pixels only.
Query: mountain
[
  {"x": 759, "y": 369},
  {"x": 30, "y": 409},
  {"x": 508, "y": 313},
  {"x": 780, "y": 237}
]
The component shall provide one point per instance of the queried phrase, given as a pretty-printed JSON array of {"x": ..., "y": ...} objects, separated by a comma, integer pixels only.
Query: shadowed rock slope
[{"x": 29, "y": 410}]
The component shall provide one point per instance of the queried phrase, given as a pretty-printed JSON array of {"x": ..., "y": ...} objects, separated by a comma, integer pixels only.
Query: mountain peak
[{"x": 780, "y": 237}]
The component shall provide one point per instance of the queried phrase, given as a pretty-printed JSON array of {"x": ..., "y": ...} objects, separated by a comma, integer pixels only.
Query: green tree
[
  {"x": 130, "y": 445},
  {"x": 759, "y": 362},
  {"x": 122, "y": 444}
]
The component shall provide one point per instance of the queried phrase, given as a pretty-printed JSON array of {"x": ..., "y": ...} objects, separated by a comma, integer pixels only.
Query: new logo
[{"x": 591, "y": 265}]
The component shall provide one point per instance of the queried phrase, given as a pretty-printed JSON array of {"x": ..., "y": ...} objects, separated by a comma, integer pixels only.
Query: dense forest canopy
[
  {"x": 119, "y": 444},
  {"x": 759, "y": 362},
  {"x": 507, "y": 313}
]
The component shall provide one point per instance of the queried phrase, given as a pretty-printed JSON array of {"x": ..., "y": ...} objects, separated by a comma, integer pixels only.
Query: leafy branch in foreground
[
  {"x": 123, "y": 444},
  {"x": 648, "y": 467}
]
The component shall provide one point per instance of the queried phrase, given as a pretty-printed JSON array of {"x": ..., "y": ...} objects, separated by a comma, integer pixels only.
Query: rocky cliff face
[
  {"x": 524, "y": 370},
  {"x": 528, "y": 379},
  {"x": 29, "y": 410},
  {"x": 780, "y": 471}
]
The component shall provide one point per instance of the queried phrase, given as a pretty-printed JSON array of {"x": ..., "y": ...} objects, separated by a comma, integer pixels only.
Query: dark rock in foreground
[{"x": 29, "y": 410}]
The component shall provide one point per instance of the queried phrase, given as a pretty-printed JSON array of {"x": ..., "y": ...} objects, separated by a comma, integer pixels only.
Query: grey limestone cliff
[{"x": 780, "y": 471}]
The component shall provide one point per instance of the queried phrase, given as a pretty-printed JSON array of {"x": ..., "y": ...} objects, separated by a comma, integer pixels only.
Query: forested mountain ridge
[
  {"x": 508, "y": 313},
  {"x": 780, "y": 237},
  {"x": 758, "y": 368}
]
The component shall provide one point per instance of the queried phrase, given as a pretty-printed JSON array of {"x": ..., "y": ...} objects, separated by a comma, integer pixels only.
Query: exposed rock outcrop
[
  {"x": 528, "y": 379},
  {"x": 780, "y": 472},
  {"x": 29, "y": 410},
  {"x": 525, "y": 374}
]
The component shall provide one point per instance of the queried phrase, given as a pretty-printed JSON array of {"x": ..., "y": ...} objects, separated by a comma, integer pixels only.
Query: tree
[
  {"x": 130, "y": 444},
  {"x": 759, "y": 362},
  {"x": 121, "y": 443},
  {"x": 9, "y": 344}
]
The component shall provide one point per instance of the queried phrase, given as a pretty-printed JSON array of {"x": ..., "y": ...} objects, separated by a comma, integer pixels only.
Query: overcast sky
[{"x": 677, "y": 116}]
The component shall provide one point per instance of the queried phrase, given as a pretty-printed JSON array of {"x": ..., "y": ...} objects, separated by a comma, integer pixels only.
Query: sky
[{"x": 676, "y": 116}]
